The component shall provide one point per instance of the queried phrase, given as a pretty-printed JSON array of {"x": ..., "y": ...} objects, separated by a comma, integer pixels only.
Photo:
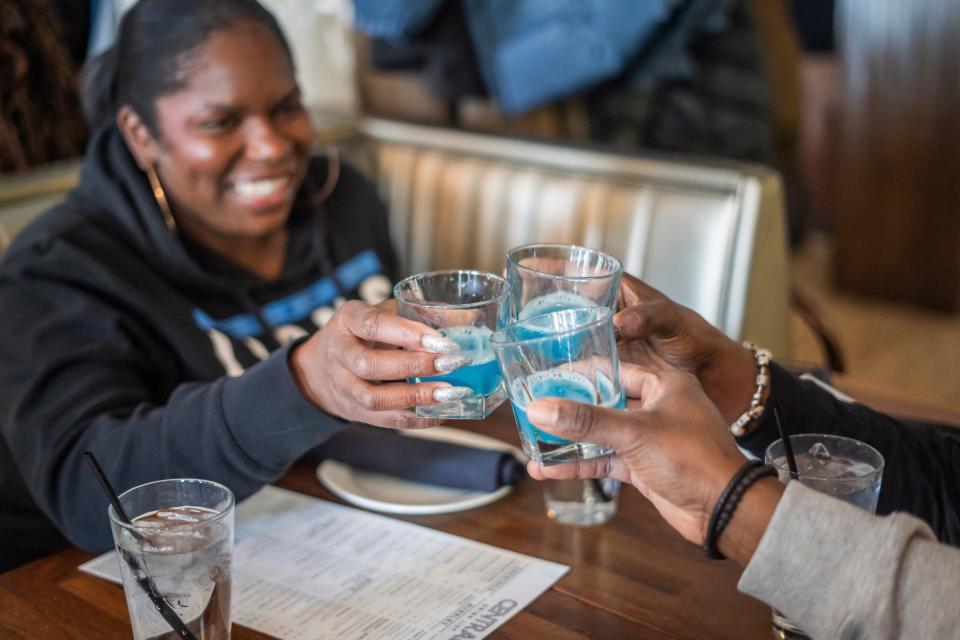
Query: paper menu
[{"x": 306, "y": 568}]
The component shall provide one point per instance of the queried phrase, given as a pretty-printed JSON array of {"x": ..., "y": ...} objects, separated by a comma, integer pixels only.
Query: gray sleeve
[{"x": 839, "y": 572}]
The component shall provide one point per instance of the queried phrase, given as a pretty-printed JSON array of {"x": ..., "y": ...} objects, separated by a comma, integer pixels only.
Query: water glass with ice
[
  {"x": 843, "y": 467},
  {"x": 180, "y": 540},
  {"x": 466, "y": 307},
  {"x": 582, "y": 503},
  {"x": 567, "y": 354},
  {"x": 553, "y": 277}
]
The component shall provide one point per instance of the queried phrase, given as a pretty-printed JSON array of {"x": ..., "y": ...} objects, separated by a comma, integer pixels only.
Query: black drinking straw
[
  {"x": 787, "y": 447},
  {"x": 163, "y": 607},
  {"x": 601, "y": 492}
]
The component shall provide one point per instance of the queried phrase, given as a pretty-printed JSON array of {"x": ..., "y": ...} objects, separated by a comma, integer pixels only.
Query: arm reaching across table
[
  {"x": 922, "y": 462},
  {"x": 834, "y": 570}
]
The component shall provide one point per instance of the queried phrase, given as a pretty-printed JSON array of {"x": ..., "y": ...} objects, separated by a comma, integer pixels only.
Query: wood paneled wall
[{"x": 898, "y": 179}]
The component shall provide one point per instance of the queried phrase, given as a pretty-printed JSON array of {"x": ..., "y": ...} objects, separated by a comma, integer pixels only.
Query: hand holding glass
[
  {"x": 466, "y": 307},
  {"x": 568, "y": 354}
]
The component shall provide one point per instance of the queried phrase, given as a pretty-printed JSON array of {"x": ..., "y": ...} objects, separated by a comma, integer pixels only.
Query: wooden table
[{"x": 631, "y": 578}]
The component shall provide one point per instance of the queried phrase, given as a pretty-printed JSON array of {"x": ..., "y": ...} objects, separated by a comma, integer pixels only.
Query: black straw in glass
[
  {"x": 163, "y": 607},
  {"x": 787, "y": 447},
  {"x": 601, "y": 492}
]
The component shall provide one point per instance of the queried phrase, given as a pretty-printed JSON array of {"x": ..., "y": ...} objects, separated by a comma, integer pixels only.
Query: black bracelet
[
  {"x": 743, "y": 479},
  {"x": 710, "y": 539},
  {"x": 737, "y": 494}
]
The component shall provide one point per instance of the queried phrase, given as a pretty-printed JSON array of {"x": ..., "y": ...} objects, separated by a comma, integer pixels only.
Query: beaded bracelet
[
  {"x": 743, "y": 479},
  {"x": 762, "y": 358}
]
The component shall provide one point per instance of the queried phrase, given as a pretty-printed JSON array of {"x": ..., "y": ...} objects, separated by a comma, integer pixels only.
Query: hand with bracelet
[
  {"x": 920, "y": 460},
  {"x": 672, "y": 446},
  {"x": 675, "y": 445},
  {"x": 887, "y": 577},
  {"x": 654, "y": 331}
]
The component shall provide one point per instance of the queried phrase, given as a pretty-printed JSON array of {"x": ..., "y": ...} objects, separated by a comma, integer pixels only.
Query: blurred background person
[{"x": 700, "y": 77}]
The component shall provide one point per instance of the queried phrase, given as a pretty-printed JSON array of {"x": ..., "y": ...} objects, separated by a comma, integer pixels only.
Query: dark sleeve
[
  {"x": 360, "y": 220},
  {"x": 921, "y": 473},
  {"x": 78, "y": 374}
]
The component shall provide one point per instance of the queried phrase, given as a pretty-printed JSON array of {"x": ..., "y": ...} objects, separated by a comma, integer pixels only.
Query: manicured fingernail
[
  {"x": 439, "y": 344},
  {"x": 450, "y": 394},
  {"x": 449, "y": 363},
  {"x": 543, "y": 412}
]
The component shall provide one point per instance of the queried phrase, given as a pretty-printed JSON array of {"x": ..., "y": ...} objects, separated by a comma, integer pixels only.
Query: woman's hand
[
  {"x": 350, "y": 367},
  {"x": 656, "y": 332},
  {"x": 671, "y": 444}
]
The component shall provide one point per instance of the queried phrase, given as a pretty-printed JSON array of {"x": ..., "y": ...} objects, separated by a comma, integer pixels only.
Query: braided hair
[{"x": 40, "y": 117}]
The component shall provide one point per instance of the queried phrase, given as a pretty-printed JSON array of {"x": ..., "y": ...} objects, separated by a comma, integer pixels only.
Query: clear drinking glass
[
  {"x": 843, "y": 467},
  {"x": 581, "y": 502},
  {"x": 466, "y": 307},
  {"x": 553, "y": 277},
  {"x": 181, "y": 542},
  {"x": 568, "y": 354}
]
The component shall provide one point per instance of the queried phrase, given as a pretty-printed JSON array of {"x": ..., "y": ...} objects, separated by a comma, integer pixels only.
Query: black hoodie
[{"x": 162, "y": 358}]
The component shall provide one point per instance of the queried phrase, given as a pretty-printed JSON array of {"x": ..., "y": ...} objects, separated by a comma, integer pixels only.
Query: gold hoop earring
[{"x": 161, "y": 198}]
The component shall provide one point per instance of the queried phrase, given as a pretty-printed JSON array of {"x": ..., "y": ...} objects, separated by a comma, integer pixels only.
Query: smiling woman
[
  {"x": 187, "y": 311},
  {"x": 230, "y": 146}
]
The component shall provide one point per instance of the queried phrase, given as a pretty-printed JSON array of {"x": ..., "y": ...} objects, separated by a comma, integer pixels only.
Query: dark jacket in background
[
  {"x": 531, "y": 52},
  {"x": 162, "y": 358},
  {"x": 684, "y": 76}
]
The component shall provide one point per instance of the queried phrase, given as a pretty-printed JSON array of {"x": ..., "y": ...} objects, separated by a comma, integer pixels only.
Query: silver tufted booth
[{"x": 709, "y": 236}]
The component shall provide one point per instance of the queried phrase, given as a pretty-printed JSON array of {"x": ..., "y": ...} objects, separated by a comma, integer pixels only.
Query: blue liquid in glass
[
  {"x": 558, "y": 301},
  {"x": 561, "y": 348},
  {"x": 568, "y": 385},
  {"x": 483, "y": 375}
]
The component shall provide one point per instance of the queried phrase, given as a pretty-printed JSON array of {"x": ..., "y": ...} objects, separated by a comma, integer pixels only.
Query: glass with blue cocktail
[
  {"x": 466, "y": 307},
  {"x": 553, "y": 277},
  {"x": 570, "y": 354}
]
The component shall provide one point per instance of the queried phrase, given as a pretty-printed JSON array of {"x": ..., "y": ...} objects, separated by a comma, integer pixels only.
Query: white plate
[{"x": 389, "y": 494}]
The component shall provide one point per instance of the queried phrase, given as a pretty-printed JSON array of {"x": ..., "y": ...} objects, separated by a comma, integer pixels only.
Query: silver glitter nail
[
  {"x": 444, "y": 364},
  {"x": 450, "y": 394},
  {"x": 439, "y": 344}
]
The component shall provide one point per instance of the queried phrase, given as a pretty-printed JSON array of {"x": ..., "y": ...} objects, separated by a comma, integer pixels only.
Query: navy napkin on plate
[{"x": 421, "y": 459}]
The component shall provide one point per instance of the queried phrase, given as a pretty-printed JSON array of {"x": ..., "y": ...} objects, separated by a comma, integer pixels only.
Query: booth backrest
[
  {"x": 711, "y": 237},
  {"x": 25, "y": 196}
]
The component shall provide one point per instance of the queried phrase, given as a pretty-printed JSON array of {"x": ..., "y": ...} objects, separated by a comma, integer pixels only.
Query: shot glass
[
  {"x": 466, "y": 307},
  {"x": 567, "y": 354},
  {"x": 581, "y": 502},
  {"x": 842, "y": 467},
  {"x": 553, "y": 277},
  {"x": 179, "y": 543}
]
